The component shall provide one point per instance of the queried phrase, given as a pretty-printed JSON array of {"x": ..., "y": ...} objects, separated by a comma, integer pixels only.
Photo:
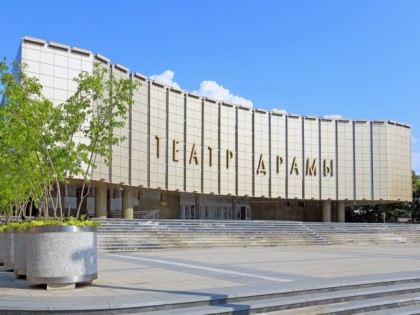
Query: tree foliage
[
  {"x": 414, "y": 206},
  {"x": 44, "y": 144},
  {"x": 391, "y": 212},
  {"x": 25, "y": 129}
]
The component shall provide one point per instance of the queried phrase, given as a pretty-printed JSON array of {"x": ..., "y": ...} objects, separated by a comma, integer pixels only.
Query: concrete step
[
  {"x": 149, "y": 246},
  {"x": 401, "y": 310},
  {"x": 354, "y": 299},
  {"x": 395, "y": 305},
  {"x": 195, "y": 233},
  {"x": 215, "y": 241}
]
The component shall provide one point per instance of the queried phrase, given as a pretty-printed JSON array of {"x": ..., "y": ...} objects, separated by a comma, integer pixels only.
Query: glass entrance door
[
  {"x": 214, "y": 212},
  {"x": 243, "y": 212},
  {"x": 188, "y": 212}
]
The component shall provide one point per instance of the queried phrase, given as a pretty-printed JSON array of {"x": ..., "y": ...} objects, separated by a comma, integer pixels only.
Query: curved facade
[{"x": 185, "y": 149}]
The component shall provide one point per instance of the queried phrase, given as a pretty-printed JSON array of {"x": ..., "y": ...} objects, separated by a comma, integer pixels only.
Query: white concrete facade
[{"x": 181, "y": 142}]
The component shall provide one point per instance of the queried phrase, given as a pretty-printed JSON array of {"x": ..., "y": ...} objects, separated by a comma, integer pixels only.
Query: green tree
[
  {"x": 98, "y": 108},
  {"x": 43, "y": 144},
  {"x": 24, "y": 172}
]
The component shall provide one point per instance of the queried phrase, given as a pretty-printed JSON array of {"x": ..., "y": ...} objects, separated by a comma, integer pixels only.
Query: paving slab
[{"x": 137, "y": 279}]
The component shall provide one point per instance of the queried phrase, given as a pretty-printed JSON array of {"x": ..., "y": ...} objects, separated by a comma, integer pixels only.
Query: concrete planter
[
  {"x": 61, "y": 256},
  {"x": 8, "y": 249},
  {"x": 19, "y": 248}
]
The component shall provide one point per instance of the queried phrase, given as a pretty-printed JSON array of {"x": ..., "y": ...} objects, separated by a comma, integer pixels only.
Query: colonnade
[{"x": 101, "y": 205}]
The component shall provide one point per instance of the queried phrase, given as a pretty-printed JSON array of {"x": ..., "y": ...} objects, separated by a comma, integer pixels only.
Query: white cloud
[
  {"x": 218, "y": 92},
  {"x": 334, "y": 116},
  {"x": 207, "y": 88},
  {"x": 282, "y": 111},
  {"x": 415, "y": 162},
  {"x": 167, "y": 78},
  {"x": 414, "y": 140}
]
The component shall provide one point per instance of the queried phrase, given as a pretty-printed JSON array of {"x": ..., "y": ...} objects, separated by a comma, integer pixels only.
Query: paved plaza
[{"x": 129, "y": 280}]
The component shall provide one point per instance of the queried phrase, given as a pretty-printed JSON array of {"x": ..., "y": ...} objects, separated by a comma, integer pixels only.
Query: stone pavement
[{"x": 132, "y": 280}]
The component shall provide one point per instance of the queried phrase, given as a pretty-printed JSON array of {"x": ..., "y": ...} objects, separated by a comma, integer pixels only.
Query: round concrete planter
[
  {"x": 19, "y": 248},
  {"x": 61, "y": 256},
  {"x": 8, "y": 249}
]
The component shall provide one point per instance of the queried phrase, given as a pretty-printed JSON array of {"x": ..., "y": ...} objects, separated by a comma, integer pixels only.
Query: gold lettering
[
  {"x": 261, "y": 166},
  {"x": 229, "y": 156},
  {"x": 310, "y": 170},
  {"x": 328, "y": 169},
  {"x": 175, "y": 150},
  {"x": 210, "y": 155},
  {"x": 279, "y": 162},
  {"x": 157, "y": 146},
  {"x": 194, "y": 155},
  {"x": 295, "y": 167}
]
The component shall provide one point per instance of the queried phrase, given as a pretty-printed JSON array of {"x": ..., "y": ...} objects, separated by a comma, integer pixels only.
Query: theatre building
[{"x": 192, "y": 157}]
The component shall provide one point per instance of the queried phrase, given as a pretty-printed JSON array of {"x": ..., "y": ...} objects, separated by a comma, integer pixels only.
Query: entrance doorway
[
  {"x": 188, "y": 212},
  {"x": 206, "y": 212},
  {"x": 210, "y": 207},
  {"x": 243, "y": 212},
  {"x": 216, "y": 212}
]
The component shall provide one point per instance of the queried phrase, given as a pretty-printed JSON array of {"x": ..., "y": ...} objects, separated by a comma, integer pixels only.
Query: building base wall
[
  {"x": 109, "y": 201},
  {"x": 168, "y": 206},
  {"x": 280, "y": 210}
]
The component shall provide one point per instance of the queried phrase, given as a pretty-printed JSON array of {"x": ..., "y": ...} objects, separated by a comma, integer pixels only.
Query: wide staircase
[
  {"x": 135, "y": 235},
  {"x": 395, "y": 294}
]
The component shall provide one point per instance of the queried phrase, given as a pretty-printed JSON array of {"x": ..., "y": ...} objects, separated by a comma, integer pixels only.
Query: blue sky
[{"x": 358, "y": 59}]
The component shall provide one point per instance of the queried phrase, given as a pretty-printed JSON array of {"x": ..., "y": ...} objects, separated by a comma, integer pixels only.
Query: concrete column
[
  {"x": 100, "y": 202},
  {"x": 234, "y": 212},
  {"x": 326, "y": 211},
  {"x": 128, "y": 204},
  {"x": 197, "y": 202},
  {"x": 341, "y": 213}
]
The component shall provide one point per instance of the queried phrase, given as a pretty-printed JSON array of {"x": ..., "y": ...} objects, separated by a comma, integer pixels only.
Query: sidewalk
[{"x": 128, "y": 280}]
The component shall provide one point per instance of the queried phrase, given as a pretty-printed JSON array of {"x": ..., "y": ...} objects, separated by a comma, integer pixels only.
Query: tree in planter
[
  {"x": 49, "y": 144},
  {"x": 53, "y": 142}
]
